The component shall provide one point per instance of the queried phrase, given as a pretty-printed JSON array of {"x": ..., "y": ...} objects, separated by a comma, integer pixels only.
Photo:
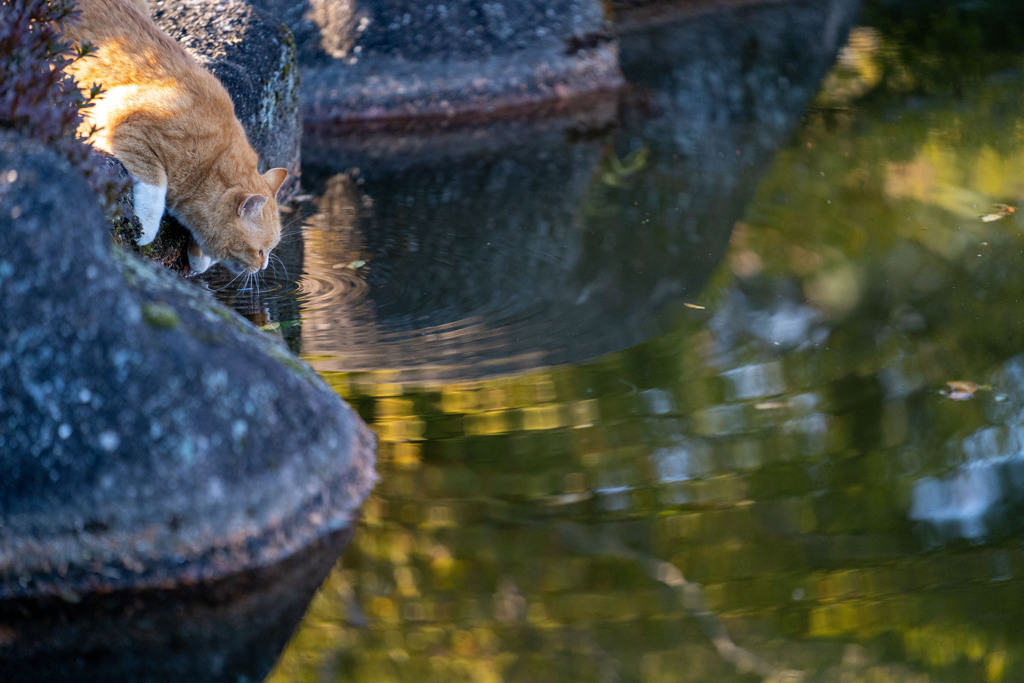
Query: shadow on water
[{"x": 228, "y": 630}]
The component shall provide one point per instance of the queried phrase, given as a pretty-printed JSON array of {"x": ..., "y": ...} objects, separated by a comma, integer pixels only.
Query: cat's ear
[
  {"x": 275, "y": 177},
  {"x": 251, "y": 205}
]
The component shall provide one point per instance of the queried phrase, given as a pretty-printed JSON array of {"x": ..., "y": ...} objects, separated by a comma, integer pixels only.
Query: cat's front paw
[
  {"x": 149, "y": 207},
  {"x": 198, "y": 261}
]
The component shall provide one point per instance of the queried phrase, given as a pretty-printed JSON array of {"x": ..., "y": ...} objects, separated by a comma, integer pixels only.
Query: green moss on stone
[
  {"x": 160, "y": 315},
  {"x": 287, "y": 37},
  {"x": 222, "y": 313}
]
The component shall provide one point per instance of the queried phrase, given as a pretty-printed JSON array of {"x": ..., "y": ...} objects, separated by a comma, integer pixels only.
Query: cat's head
[{"x": 244, "y": 225}]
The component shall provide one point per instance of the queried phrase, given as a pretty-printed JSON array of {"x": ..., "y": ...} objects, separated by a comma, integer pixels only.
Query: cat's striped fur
[{"x": 172, "y": 124}]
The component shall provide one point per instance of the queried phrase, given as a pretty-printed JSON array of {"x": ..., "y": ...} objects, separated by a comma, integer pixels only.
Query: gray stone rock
[
  {"x": 148, "y": 436},
  {"x": 375, "y": 61}
]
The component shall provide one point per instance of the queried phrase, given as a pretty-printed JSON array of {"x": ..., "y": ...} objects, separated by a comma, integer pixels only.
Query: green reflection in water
[{"x": 768, "y": 448}]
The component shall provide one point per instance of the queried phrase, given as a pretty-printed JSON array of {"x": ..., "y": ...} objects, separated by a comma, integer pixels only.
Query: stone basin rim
[
  {"x": 55, "y": 567},
  {"x": 450, "y": 100},
  {"x": 587, "y": 111}
]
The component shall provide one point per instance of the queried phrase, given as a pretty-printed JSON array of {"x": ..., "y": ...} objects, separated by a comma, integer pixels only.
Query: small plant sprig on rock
[{"x": 38, "y": 99}]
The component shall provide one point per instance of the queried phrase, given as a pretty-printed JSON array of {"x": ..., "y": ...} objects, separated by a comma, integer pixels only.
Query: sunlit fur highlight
[{"x": 171, "y": 122}]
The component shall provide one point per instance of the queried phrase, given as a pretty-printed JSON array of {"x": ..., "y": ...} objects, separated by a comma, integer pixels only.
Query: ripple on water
[
  {"x": 360, "y": 316},
  {"x": 323, "y": 289},
  {"x": 270, "y": 297}
]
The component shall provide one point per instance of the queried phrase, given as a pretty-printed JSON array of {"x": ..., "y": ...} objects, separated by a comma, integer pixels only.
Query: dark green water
[{"x": 669, "y": 403}]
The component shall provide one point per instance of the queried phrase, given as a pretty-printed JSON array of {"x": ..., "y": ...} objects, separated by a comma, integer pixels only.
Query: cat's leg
[
  {"x": 149, "y": 207},
  {"x": 130, "y": 144},
  {"x": 198, "y": 261}
]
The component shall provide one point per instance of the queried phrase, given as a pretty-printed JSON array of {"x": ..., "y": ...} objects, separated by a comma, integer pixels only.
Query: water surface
[{"x": 669, "y": 401}]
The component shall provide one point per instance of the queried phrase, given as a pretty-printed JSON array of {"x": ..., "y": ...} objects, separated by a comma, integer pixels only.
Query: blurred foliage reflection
[{"x": 786, "y": 448}]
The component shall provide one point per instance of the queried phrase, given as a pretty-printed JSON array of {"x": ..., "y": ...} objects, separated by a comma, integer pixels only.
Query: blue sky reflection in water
[{"x": 687, "y": 380}]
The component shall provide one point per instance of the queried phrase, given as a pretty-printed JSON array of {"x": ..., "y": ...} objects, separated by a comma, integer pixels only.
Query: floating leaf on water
[
  {"x": 352, "y": 265},
  {"x": 1002, "y": 211},
  {"x": 772, "y": 405},
  {"x": 695, "y": 306},
  {"x": 284, "y": 208},
  {"x": 959, "y": 390},
  {"x": 279, "y": 325},
  {"x": 567, "y": 498},
  {"x": 634, "y": 161},
  {"x": 610, "y": 179},
  {"x": 631, "y": 164},
  {"x": 302, "y": 197}
]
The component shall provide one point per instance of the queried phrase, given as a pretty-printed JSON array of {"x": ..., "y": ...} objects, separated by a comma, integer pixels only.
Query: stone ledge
[
  {"x": 388, "y": 62},
  {"x": 149, "y": 436}
]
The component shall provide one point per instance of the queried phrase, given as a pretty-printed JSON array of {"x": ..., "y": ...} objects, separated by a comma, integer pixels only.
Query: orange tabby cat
[{"x": 173, "y": 126}]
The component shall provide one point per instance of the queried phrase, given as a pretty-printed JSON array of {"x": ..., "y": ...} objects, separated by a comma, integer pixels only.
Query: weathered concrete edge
[{"x": 391, "y": 93}]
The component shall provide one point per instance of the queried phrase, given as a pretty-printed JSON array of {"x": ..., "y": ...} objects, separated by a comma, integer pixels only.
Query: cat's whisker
[
  {"x": 241, "y": 279},
  {"x": 274, "y": 261},
  {"x": 229, "y": 282},
  {"x": 300, "y": 217},
  {"x": 288, "y": 235},
  {"x": 288, "y": 238}
]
